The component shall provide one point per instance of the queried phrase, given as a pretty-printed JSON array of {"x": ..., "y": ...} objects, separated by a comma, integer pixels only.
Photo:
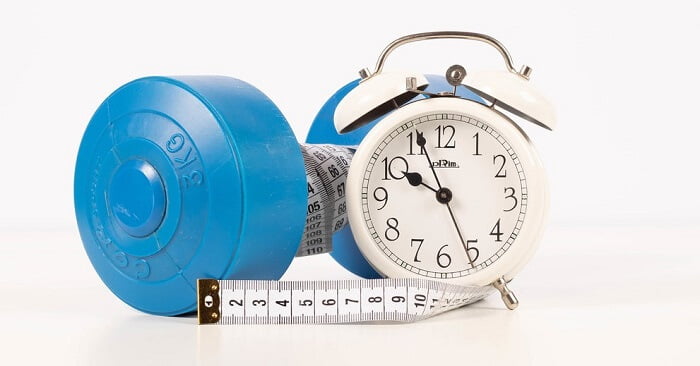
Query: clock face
[{"x": 443, "y": 195}]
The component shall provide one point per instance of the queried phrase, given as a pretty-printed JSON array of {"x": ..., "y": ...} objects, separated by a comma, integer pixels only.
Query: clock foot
[{"x": 507, "y": 295}]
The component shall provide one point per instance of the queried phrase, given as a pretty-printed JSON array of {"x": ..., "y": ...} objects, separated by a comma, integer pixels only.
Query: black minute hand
[
  {"x": 465, "y": 244},
  {"x": 420, "y": 140},
  {"x": 444, "y": 196}
]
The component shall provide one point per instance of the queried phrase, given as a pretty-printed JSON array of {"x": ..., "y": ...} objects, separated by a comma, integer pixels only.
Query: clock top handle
[{"x": 524, "y": 71}]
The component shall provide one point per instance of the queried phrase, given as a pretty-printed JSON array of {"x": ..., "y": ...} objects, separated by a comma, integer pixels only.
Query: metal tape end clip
[{"x": 208, "y": 301}]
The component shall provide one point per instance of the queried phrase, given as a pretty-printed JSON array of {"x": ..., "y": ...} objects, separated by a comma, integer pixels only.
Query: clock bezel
[{"x": 529, "y": 236}]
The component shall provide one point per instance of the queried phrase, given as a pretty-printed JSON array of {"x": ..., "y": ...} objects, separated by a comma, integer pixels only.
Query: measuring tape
[
  {"x": 329, "y": 302},
  {"x": 326, "y": 172}
]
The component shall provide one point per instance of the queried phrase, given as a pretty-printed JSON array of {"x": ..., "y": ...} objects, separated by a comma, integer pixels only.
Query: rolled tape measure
[{"x": 326, "y": 211}]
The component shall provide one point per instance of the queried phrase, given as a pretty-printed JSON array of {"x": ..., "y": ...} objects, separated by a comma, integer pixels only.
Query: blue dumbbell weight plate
[{"x": 183, "y": 178}]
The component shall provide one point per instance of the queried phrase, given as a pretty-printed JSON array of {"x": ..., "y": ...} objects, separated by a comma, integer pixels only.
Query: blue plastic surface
[
  {"x": 233, "y": 188},
  {"x": 137, "y": 198},
  {"x": 345, "y": 250}
]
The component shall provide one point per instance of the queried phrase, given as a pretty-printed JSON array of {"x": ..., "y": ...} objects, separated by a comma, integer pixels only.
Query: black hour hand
[{"x": 415, "y": 179}]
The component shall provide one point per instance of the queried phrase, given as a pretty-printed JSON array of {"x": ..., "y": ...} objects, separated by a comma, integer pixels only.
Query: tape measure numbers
[
  {"x": 345, "y": 301},
  {"x": 326, "y": 172},
  {"x": 328, "y": 302}
]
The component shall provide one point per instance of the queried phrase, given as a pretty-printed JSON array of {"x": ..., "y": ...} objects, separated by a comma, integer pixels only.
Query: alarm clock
[{"x": 444, "y": 187}]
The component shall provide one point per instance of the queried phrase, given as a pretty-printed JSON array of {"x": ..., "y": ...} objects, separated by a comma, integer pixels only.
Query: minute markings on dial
[{"x": 376, "y": 211}]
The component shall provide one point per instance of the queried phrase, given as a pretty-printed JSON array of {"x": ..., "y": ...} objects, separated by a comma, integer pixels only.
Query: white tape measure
[
  {"x": 329, "y": 302},
  {"x": 325, "y": 302}
]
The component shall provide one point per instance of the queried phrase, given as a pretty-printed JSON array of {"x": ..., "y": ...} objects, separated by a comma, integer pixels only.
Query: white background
[{"x": 623, "y": 167}]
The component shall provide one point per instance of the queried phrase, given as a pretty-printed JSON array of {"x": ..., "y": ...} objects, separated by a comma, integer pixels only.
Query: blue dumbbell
[{"x": 180, "y": 178}]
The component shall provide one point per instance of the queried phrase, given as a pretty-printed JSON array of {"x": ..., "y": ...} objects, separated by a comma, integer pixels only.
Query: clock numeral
[
  {"x": 510, "y": 195},
  {"x": 443, "y": 259},
  {"x": 383, "y": 197},
  {"x": 476, "y": 150},
  {"x": 443, "y": 131},
  {"x": 501, "y": 171},
  {"x": 410, "y": 146},
  {"x": 472, "y": 252},
  {"x": 496, "y": 231},
  {"x": 389, "y": 168},
  {"x": 392, "y": 232},
  {"x": 420, "y": 243}
]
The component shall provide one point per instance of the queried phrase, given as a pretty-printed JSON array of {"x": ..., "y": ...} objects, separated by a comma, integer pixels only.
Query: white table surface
[{"x": 591, "y": 295}]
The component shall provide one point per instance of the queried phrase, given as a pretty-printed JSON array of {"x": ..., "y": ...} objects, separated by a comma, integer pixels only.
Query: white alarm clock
[{"x": 444, "y": 187}]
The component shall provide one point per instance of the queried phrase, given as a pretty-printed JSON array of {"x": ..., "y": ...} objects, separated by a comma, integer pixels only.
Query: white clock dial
[{"x": 443, "y": 194}]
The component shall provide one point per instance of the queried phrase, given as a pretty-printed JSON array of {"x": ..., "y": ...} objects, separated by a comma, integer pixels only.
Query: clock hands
[
  {"x": 459, "y": 233},
  {"x": 415, "y": 179},
  {"x": 420, "y": 140},
  {"x": 443, "y": 194}
]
